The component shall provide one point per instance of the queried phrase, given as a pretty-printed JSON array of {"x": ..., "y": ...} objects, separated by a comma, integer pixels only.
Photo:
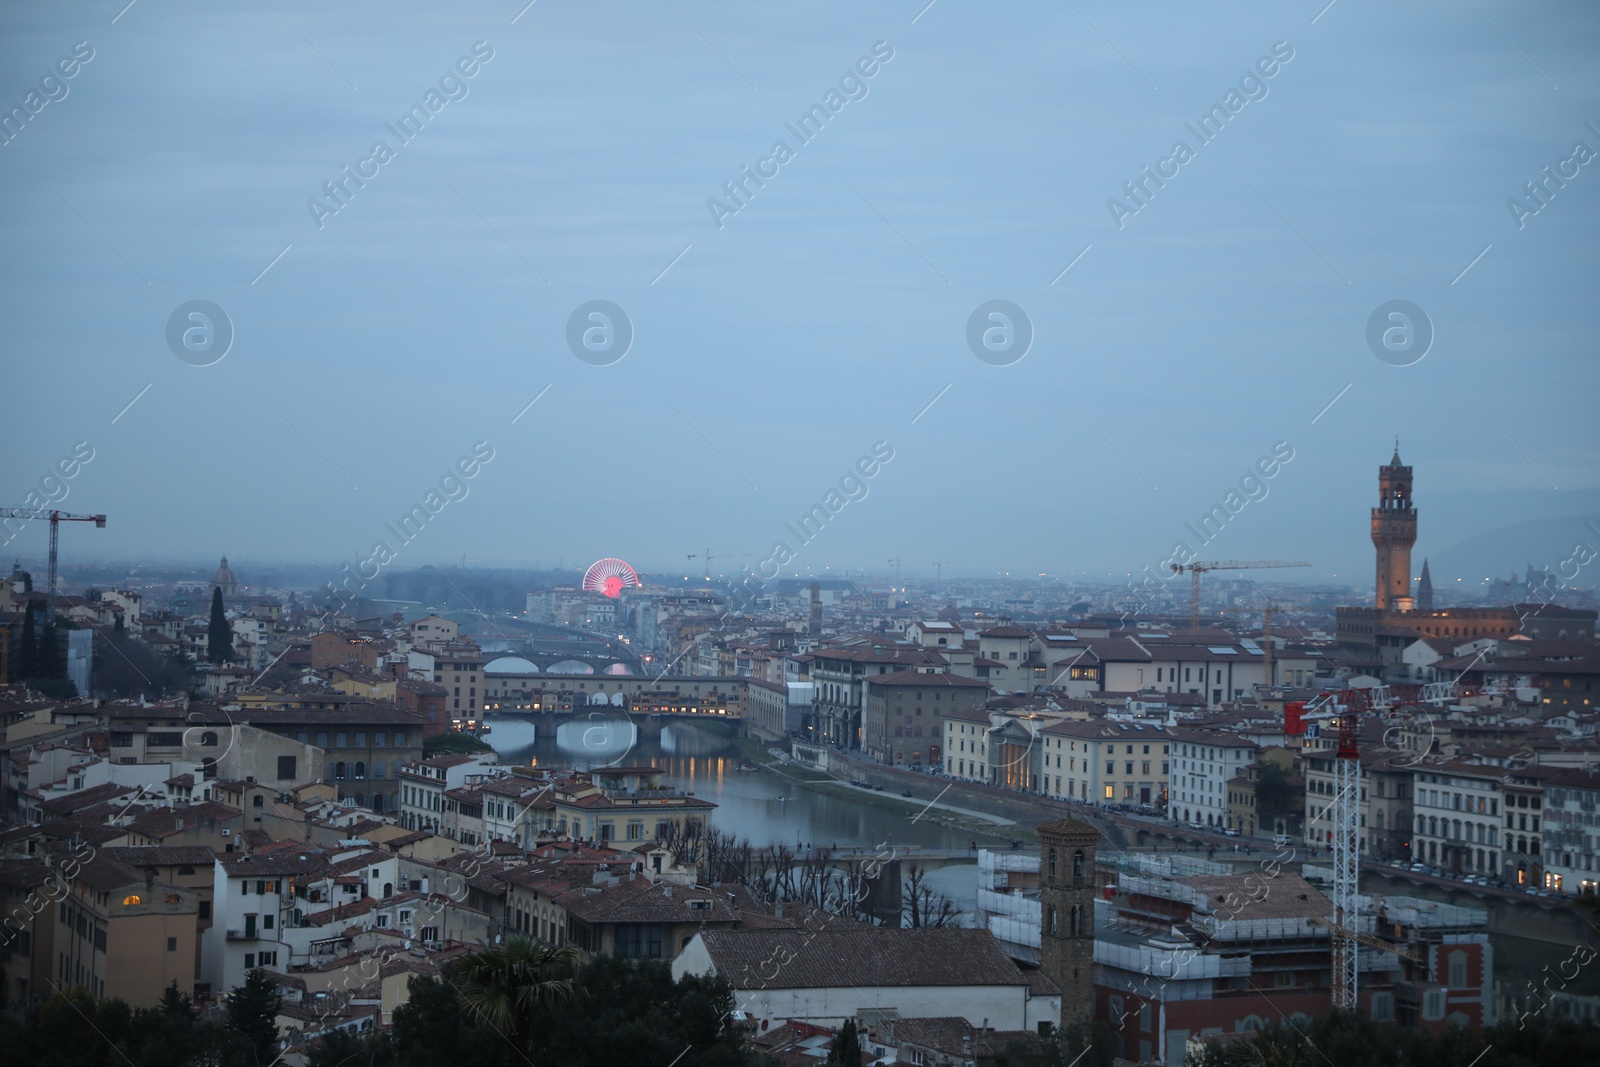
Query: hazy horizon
[{"x": 780, "y": 330}]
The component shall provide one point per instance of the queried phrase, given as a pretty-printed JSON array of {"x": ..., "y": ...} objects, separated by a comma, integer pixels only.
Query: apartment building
[
  {"x": 1106, "y": 762},
  {"x": 1571, "y": 833},
  {"x": 903, "y": 713},
  {"x": 1385, "y": 785},
  {"x": 1458, "y": 817},
  {"x": 1203, "y": 763},
  {"x": 121, "y": 932}
]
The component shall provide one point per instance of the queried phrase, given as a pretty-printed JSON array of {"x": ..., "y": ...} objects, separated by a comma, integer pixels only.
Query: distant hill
[{"x": 1508, "y": 550}]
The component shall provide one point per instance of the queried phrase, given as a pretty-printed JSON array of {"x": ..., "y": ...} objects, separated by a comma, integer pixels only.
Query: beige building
[
  {"x": 123, "y": 933},
  {"x": 1106, "y": 762}
]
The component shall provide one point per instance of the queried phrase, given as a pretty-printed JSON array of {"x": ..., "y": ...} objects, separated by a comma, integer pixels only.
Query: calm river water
[{"x": 761, "y": 805}]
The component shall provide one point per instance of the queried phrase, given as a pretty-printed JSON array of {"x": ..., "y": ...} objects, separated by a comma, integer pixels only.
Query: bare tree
[{"x": 922, "y": 906}]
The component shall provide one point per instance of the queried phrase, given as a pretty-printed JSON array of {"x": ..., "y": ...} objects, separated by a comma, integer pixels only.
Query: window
[
  {"x": 378, "y": 739},
  {"x": 269, "y": 959},
  {"x": 131, "y": 900},
  {"x": 1433, "y": 1005},
  {"x": 172, "y": 944},
  {"x": 361, "y": 739},
  {"x": 1458, "y": 970},
  {"x": 322, "y": 739},
  {"x": 286, "y": 768},
  {"x": 249, "y": 961},
  {"x": 341, "y": 739}
]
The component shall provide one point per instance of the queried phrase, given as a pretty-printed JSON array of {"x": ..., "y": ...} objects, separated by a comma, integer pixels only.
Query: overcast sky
[{"x": 776, "y": 340}]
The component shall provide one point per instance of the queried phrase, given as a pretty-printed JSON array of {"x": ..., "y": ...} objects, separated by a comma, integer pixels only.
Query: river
[
  {"x": 763, "y": 806},
  {"x": 767, "y": 808}
]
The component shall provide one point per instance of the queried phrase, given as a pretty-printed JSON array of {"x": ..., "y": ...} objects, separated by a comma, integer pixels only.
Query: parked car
[
  {"x": 1196, "y": 825},
  {"x": 1230, "y": 832},
  {"x": 1279, "y": 840},
  {"x": 1419, "y": 868}
]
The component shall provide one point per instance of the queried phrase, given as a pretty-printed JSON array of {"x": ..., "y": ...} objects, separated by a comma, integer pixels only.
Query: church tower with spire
[
  {"x": 1425, "y": 589},
  {"x": 1394, "y": 531}
]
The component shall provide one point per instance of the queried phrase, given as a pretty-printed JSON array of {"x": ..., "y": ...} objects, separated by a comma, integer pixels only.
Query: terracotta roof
[
  {"x": 874, "y": 956},
  {"x": 941, "y": 680},
  {"x": 642, "y": 901},
  {"x": 165, "y": 822},
  {"x": 195, "y": 856},
  {"x": 955, "y": 1036}
]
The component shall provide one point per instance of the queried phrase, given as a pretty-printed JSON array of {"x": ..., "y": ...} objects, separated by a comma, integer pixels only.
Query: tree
[
  {"x": 253, "y": 1014},
  {"x": 922, "y": 905},
  {"x": 125, "y": 666},
  {"x": 505, "y": 987},
  {"x": 845, "y": 1051},
  {"x": 50, "y": 663},
  {"x": 28, "y": 659},
  {"x": 1274, "y": 791},
  {"x": 219, "y": 635}
]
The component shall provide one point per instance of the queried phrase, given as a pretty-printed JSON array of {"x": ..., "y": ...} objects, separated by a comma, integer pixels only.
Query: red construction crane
[
  {"x": 1347, "y": 706},
  {"x": 56, "y": 519},
  {"x": 1195, "y": 569}
]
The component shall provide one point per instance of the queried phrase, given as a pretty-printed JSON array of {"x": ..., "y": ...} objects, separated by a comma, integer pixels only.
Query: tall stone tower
[
  {"x": 1066, "y": 895},
  {"x": 1394, "y": 531}
]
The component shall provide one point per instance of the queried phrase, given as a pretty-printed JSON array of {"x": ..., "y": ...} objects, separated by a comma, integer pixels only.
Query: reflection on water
[{"x": 763, "y": 806}]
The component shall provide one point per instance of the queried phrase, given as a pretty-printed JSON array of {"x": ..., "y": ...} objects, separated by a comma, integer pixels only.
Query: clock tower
[{"x": 1394, "y": 531}]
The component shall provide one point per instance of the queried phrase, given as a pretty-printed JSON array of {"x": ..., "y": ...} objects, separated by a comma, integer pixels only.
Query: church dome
[{"x": 224, "y": 579}]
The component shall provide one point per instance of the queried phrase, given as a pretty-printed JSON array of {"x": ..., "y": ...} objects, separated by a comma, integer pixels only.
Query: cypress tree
[
  {"x": 846, "y": 1048},
  {"x": 219, "y": 635},
  {"x": 253, "y": 1014}
]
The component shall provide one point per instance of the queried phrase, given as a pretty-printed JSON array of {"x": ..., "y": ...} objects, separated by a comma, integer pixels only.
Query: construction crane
[
  {"x": 1347, "y": 706},
  {"x": 1268, "y": 649},
  {"x": 1200, "y": 566},
  {"x": 939, "y": 566},
  {"x": 56, "y": 519},
  {"x": 897, "y": 561},
  {"x": 708, "y": 557},
  {"x": 1378, "y": 943}
]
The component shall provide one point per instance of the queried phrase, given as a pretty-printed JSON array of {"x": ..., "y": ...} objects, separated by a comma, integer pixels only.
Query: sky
[{"x": 1152, "y": 351}]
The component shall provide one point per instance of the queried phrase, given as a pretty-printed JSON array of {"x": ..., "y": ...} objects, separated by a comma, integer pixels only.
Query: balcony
[{"x": 242, "y": 935}]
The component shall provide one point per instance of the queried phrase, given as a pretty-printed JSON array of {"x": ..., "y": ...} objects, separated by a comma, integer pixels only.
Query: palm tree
[{"x": 505, "y": 986}]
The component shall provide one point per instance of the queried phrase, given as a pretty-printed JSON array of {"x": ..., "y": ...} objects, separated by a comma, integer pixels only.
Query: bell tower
[
  {"x": 1066, "y": 897},
  {"x": 1394, "y": 531}
]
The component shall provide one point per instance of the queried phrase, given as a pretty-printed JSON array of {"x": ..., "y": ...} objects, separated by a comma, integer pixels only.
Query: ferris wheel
[{"x": 609, "y": 576}]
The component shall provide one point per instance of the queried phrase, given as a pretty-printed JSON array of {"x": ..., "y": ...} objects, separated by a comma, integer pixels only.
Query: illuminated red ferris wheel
[{"x": 609, "y": 576}]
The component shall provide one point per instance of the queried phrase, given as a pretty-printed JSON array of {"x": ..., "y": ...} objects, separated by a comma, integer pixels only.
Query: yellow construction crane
[
  {"x": 1199, "y": 566},
  {"x": 1379, "y": 943},
  {"x": 1268, "y": 650}
]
